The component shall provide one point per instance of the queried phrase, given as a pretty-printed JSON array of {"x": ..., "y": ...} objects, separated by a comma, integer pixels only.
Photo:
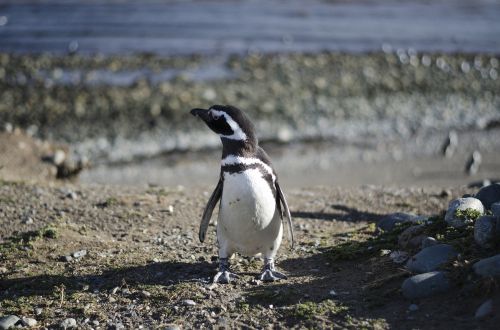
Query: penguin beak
[{"x": 202, "y": 113}]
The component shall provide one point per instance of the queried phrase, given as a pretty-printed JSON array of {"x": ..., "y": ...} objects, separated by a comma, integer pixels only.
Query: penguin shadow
[
  {"x": 344, "y": 213},
  {"x": 162, "y": 273}
]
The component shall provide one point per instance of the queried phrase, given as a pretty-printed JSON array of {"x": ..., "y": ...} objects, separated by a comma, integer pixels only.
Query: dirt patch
[{"x": 145, "y": 267}]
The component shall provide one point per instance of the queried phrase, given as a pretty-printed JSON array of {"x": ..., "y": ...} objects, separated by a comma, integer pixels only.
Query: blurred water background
[{"x": 342, "y": 92}]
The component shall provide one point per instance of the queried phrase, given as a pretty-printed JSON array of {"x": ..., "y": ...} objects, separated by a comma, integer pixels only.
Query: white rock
[
  {"x": 68, "y": 323},
  {"x": 399, "y": 257},
  {"x": 462, "y": 204},
  {"x": 79, "y": 254},
  {"x": 189, "y": 302},
  {"x": 8, "y": 322},
  {"x": 29, "y": 322}
]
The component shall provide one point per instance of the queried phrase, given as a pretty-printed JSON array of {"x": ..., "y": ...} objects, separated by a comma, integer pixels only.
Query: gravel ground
[{"x": 142, "y": 263}]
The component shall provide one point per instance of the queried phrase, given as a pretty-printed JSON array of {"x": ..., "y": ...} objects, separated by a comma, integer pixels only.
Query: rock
[
  {"x": 413, "y": 308},
  {"x": 411, "y": 237},
  {"x": 484, "y": 310},
  {"x": 399, "y": 256},
  {"x": 38, "y": 311},
  {"x": 145, "y": 294},
  {"x": 425, "y": 285},
  {"x": 66, "y": 258},
  {"x": 68, "y": 323},
  {"x": 488, "y": 267},
  {"x": 462, "y": 205},
  {"x": 489, "y": 195},
  {"x": 79, "y": 254},
  {"x": 29, "y": 322},
  {"x": 3, "y": 270},
  {"x": 333, "y": 293},
  {"x": 487, "y": 230},
  {"x": 450, "y": 144},
  {"x": 495, "y": 209},
  {"x": 188, "y": 302},
  {"x": 389, "y": 222},
  {"x": 428, "y": 241},
  {"x": 429, "y": 259},
  {"x": 27, "y": 220},
  {"x": 172, "y": 327},
  {"x": 8, "y": 322}
]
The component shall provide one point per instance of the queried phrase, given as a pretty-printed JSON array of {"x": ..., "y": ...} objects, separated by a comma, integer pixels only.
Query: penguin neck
[{"x": 244, "y": 148}]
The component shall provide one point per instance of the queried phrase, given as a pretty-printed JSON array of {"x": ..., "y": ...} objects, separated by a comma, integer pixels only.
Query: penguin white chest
[{"x": 247, "y": 206}]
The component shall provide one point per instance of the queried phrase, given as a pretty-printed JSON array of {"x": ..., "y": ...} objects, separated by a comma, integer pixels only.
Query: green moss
[
  {"x": 468, "y": 214},
  {"x": 310, "y": 309}
]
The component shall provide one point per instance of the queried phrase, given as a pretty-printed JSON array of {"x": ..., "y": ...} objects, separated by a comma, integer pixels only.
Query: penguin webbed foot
[
  {"x": 225, "y": 277},
  {"x": 269, "y": 273},
  {"x": 272, "y": 275}
]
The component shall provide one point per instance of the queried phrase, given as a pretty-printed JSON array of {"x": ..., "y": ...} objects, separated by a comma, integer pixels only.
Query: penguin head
[{"x": 229, "y": 122}]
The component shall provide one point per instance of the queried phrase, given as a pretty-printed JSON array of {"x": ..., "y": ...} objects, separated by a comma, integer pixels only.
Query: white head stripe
[
  {"x": 232, "y": 160},
  {"x": 238, "y": 133}
]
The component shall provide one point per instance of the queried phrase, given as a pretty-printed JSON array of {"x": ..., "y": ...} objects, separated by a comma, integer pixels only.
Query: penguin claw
[
  {"x": 224, "y": 277},
  {"x": 272, "y": 275}
]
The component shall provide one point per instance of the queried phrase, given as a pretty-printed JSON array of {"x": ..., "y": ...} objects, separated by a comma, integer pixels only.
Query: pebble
[
  {"x": 72, "y": 195},
  {"x": 429, "y": 241},
  {"x": 413, "y": 307},
  {"x": 390, "y": 221},
  {"x": 399, "y": 257},
  {"x": 487, "y": 230},
  {"x": 495, "y": 209},
  {"x": 145, "y": 294},
  {"x": 188, "y": 302},
  {"x": 333, "y": 293},
  {"x": 29, "y": 322},
  {"x": 79, "y": 254},
  {"x": 38, "y": 311},
  {"x": 488, "y": 267},
  {"x": 429, "y": 259},
  {"x": 484, "y": 310},
  {"x": 172, "y": 327},
  {"x": 28, "y": 220},
  {"x": 66, "y": 258},
  {"x": 489, "y": 195},
  {"x": 473, "y": 163},
  {"x": 411, "y": 237},
  {"x": 462, "y": 204},
  {"x": 8, "y": 322},
  {"x": 425, "y": 285},
  {"x": 68, "y": 323},
  {"x": 3, "y": 270}
]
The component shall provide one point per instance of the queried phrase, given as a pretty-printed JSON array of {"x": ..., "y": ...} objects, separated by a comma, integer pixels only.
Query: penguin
[{"x": 252, "y": 205}]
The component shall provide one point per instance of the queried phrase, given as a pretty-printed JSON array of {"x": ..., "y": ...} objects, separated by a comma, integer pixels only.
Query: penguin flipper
[
  {"x": 280, "y": 197},
  {"x": 209, "y": 209}
]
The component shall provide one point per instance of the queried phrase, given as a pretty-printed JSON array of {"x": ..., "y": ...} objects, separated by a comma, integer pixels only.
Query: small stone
[
  {"x": 425, "y": 285},
  {"x": 429, "y": 259},
  {"x": 29, "y": 322},
  {"x": 489, "y": 195},
  {"x": 38, "y": 311},
  {"x": 72, "y": 195},
  {"x": 255, "y": 281},
  {"x": 399, "y": 257},
  {"x": 212, "y": 286},
  {"x": 170, "y": 209},
  {"x": 3, "y": 270},
  {"x": 172, "y": 327},
  {"x": 473, "y": 163},
  {"x": 462, "y": 204},
  {"x": 95, "y": 322},
  {"x": 126, "y": 291},
  {"x": 28, "y": 220},
  {"x": 485, "y": 309},
  {"x": 68, "y": 323},
  {"x": 145, "y": 294},
  {"x": 115, "y": 289},
  {"x": 413, "y": 307},
  {"x": 66, "y": 258},
  {"x": 188, "y": 302},
  {"x": 111, "y": 299},
  {"x": 390, "y": 221},
  {"x": 487, "y": 230},
  {"x": 428, "y": 241},
  {"x": 79, "y": 254},
  {"x": 333, "y": 293},
  {"x": 58, "y": 157},
  {"x": 411, "y": 237},
  {"x": 8, "y": 322},
  {"x": 488, "y": 267}
]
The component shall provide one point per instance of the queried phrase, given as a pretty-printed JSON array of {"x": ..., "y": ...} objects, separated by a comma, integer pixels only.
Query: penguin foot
[
  {"x": 224, "y": 277},
  {"x": 269, "y": 275}
]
